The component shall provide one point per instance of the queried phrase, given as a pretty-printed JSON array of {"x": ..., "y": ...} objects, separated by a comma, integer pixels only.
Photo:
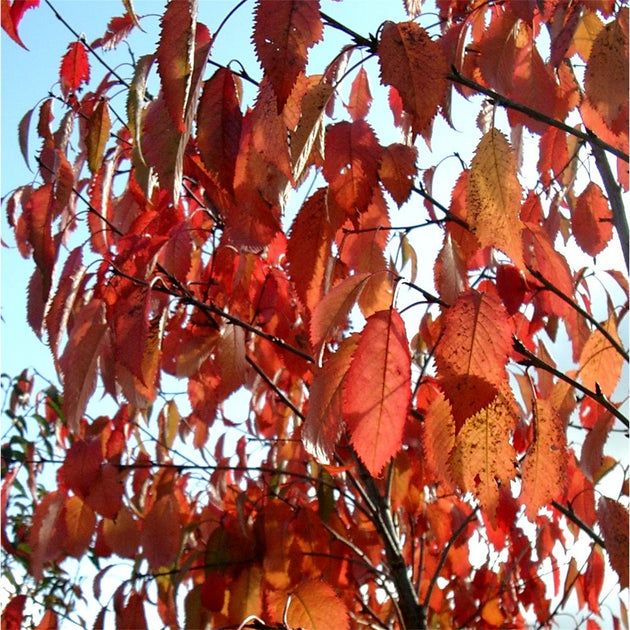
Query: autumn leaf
[
  {"x": 397, "y": 171},
  {"x": 543, "y": 468},
  {"x": 438, "y": 438},
  {"x": 122, "y": 534},
  {"x": 415, "y": 65},
  {"x": 117, "y": 31},
  {"x": 600, "y": 362},
  {"x": 472, "y": 354},
  {"x": 351, "y": 164},
  {"x": 80, "y": 524},
  {"x": 360, "y": 97},
  {"x": 75, "y": 68},
  {"x": 98, "y": 127},
  {"x": 47, "y": 535},
  {"x": 79, "y": 361},
  {"x": 246, "y": 594},
  {"x": 323, "y": 423},
  {"x": 161, "y": 532},
  {"x": 308, "y": 250},
  {"x": 219, "y": 121},
  {"x": 283, "y": 33},
  {"x": 494, "y": 196},
  {"x": 591, "y": 220},
  {"x": 613, "y": 520},
  {"x": 606, "y": 76},
  {"x": 175, "y": 57},
  {"x": 376, "y": 416},
  {"x": 12, "y": 16},
  {"x": 315, "y": 606},
  {"x": 483, "y": 457}
]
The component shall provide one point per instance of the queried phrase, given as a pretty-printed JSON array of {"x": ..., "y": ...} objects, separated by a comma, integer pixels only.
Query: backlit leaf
[
  {"x": 472, "y": 354},
  {"x": 323, "y": 423},
  {"x": 600, "y": 363},
  {"x": 47, "y": 534},
  {"x": 175, "y": 57},
  {"x": 494, "y": 196},
  {"x": 483, "y": 457},
  {"x": 397, "y": 170},
  {"x": 314, "y": 605},
  {"x": 75, "y": 68},
  {"x": 98, "y": 128},
  {"x": 613, "y": 521},
  {"x": 377, "y": 390},
  {"x": 591, "y": 220},
  {"x": 415, "y": 65},
  {"x": 360, "y": 97},
  {"x": 283, "y": 33},
  {"x": 606, "y": 77},
  {"x": 12, "y": 16},
  {"x": 80, "y": 524},
  {"x": 122, "y": 534},
  {"x": 219, "y": 121},
  {"x": 543, "y": 469},
  {"x": 79, "y": 361},
  {"x": 161, "y": 532},
  {"x": 246, "y": 594}
]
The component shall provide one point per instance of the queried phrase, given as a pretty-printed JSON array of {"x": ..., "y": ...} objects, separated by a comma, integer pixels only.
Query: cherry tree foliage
[{"x": 397, "y": 423}]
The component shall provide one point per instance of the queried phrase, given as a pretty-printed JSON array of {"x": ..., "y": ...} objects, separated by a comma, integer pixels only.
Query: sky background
[{"x": 27, "y": 76}]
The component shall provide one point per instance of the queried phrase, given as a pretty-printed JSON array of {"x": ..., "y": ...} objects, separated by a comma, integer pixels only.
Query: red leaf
[
  {"x": 309, "y": 250},
  {"x": 117, "y": 30},
  {"x": 219, "y": 121},
  {"x": 213, "y": 591},
  {"x": 12, "y": 16},
  {"x": 473, "y": 352},
  {"x": 13, "y": 613},
  {"x": 397, "y": 170},
  {"x": 613, "y": 521},
  {"x": 105, "y": 495},
  {"x": 591, "y": 220},
  {"x": 79, "y": 361},
  {"x": 544, "y": 467},
  {"x": 47, "y": 535},
  {"x": 81, "y": 467},
  {"x": 332, "y": 312},
  {"x": 315, "y": 605},
  {"x": 162, "y": 532},
  {"x": 75, "y": 68},
  {"x": 175, "y": 56},
  {"x": 377, "y": 390},
  {"x": 351, "y": 164},
  {"x": 360, "y": 98},
  {"x": 98, "y": 127},
  {"x": 122, "y": 534},
  {"x": 415, "y": 65},
  {"x": 80, "y": 526},
  {"x": 323, "y": 423},
  {"x": 283, "y": 33}
]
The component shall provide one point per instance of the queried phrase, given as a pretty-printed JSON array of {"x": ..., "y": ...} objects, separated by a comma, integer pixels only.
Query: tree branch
[
  {"x": 613, "y": 190},
  {"x": 572, "y": 516}
]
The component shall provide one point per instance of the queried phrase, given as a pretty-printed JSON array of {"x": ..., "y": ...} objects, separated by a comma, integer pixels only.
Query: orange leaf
[
  {"x": 483, "y": 457},
  {"x": 162, "y": 532},
  {"x": 246, "y": 594},
  {"x": 219, "y": 121},
  {"x": 122, "y": 534},
  {"x": 397, "y": 170},
  {"x": 351, "y": 164},
  {"x": 79, "y": 361},
  {"x": 315, "y": 606},
  {"x": 332, "y": 312},
  {"x": 613, "y": 521},
  {"x": 606, "y": 76},
  {"x": 75, "y": 68},
  {"x": 438, "y": 439},
  {"x": 591, "y": 220},
  {"x": 473, "y": 352},
  {"x": 175, "y": 57},
  {"x": 360, "y": 98},
  {"x": 47, "y": 535},
  {"x": 98, "y": 127},
  {"x": 415, "y": 65},
  {"x": 377, "y": 389},
  {"x": 494, "y": 196},
  {"x": 80, "y": 525},
  {"x": 283, "y": 33},
  {"x": 309, "y": 249},
  {"x": 600, "y": 363},
  {"x": 323, "y": 423},
  {"x": 105, "y": 496},
  {"x": 544, "y": 467}
]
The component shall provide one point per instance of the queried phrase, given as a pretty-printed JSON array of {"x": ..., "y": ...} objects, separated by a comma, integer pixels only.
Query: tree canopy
[{"x": 425, "y": 342}]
